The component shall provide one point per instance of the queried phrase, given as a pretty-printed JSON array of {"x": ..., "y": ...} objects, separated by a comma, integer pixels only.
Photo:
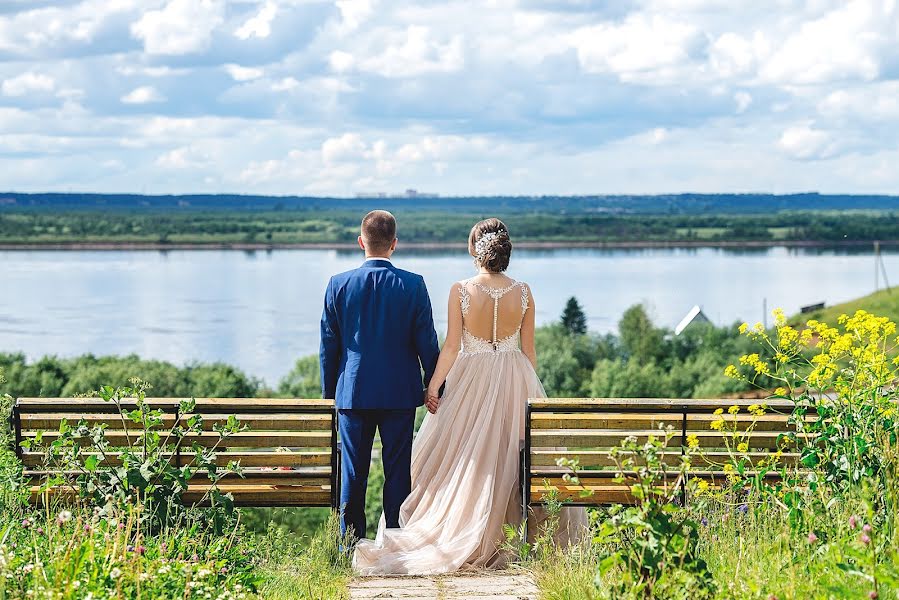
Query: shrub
[{"x": 143, "y": 471}]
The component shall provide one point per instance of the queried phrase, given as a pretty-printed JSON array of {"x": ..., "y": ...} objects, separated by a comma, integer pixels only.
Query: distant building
[
  {"x": 413, "y": 193},
  {"x": 812, "y": 308},
  {"x": 694, "y": 316}
]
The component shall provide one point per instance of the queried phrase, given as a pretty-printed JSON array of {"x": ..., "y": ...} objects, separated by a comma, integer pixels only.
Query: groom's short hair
[{"x": 378, "y": 230}]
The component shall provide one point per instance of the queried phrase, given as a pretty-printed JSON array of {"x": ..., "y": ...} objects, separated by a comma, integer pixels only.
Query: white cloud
[
  {"x": 260, "y": 25},
  {"x": 642, "y": 47},
  {"x": 285, "y": 85},
  {"x": 846, "y": 43},
  {"x": 72, "y": 24},
  {"x": 743, "y": 100},
  {"x": 525, "y": 96},
  {"x": 878, "y": 103},
  {"x": 341, "y": 61},
  {"x": 239, "y": 73},
  {"x": 181, "y": 27},
  {"x": 804, "y": 142},
  {"x": 355, "y": 12},
  {"x": 143, "y": 95},
  {"x": 27, "y": 83},
  {"x": 732, "y": 55},
  {"x": 184, "y": 157},
  {"x": 411, "y": 53},
  {"x": 347, "y": 147}
]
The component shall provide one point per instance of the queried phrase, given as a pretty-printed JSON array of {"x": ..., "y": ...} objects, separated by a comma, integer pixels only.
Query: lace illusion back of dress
[{"x": 492, "y": 317}]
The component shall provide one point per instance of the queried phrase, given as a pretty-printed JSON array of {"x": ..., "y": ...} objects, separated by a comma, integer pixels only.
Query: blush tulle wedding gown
[{"x": 465, "y": 457}]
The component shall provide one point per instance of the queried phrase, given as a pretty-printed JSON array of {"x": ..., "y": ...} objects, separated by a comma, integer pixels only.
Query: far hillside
[
  {"x": 884, "y": 303},
  {"x": 412, "y": 200}
]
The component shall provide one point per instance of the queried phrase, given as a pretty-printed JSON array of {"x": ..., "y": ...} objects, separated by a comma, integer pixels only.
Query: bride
[{"x": 465, "y": 457}]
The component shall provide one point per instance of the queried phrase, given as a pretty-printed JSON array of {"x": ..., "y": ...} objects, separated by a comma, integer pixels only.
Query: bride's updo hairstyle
[{"x": 490, "y": 244}]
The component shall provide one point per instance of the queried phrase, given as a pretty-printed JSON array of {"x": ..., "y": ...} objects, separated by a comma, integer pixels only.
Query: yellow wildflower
[
  {"x": 693, "y": 441},
  {"x": 780, "y": 319},
  {"x": 702, "y": 486},
  {"x": 719, "y": 411},
  {"x": 757, "y": 411},
  {"x": 733, "y": 409},
  {"x": 743, "y": 447},
  {"x": 788, "y": 336},
  {"x": 732, "y": 371},
  {"x": 743, "y": 328},
  {"x": 781, "y": 391},
  {"x": 717, "y": 425}
]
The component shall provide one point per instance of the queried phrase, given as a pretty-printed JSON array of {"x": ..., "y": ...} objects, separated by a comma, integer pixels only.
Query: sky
[{"x": 341, "y": 97}]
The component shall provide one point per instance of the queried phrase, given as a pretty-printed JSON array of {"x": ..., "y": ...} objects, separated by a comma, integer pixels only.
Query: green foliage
[
  {"x": 147, "y": 475},
  {"x": 304, "y": 380},
  {"x": 650, "y": 549},
  {"x": 573, "y": 317},
  {"x": 303, "y": 567},
  {"x": 564, "y": 361},
  {"x": 289, "y": 520},
  {"x": 546, "y": 219},
  {"x": 640, "y": 339},
  {"x": 57, "y": 377},
  {"x": 83, "y": 554}
]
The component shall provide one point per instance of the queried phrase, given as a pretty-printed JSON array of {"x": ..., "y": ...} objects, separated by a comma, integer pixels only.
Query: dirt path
[{"x": 504, "y": 585}]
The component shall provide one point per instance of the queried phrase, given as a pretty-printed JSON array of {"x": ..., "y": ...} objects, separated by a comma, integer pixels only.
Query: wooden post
[{"x": 876, "y": 266}]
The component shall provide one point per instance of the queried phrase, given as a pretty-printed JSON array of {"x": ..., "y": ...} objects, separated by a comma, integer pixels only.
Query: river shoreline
[{"x": 525, "y": 245}]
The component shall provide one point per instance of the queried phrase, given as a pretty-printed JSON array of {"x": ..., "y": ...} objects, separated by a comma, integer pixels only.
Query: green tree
[
  {"x": 564, "y": 361},
  {"x": 640, "y": 339},
  {"x": 304, "y": 380},
  {"x": 573, "y": 317},
  {"x": 627, "y": 379}
]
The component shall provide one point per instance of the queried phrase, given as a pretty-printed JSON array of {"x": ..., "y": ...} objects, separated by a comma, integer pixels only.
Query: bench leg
[{"x": 523, "y": 482}]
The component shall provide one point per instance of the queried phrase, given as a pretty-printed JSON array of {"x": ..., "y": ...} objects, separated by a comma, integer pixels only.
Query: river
[{"x": 260, "y": 310}]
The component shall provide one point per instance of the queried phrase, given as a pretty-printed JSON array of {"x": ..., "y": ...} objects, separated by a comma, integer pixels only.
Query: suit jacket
[{"x": 377, "y": 335}]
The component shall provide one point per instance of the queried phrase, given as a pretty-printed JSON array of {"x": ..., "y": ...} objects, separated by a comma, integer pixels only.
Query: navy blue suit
[{"x": 377, "y": 336}]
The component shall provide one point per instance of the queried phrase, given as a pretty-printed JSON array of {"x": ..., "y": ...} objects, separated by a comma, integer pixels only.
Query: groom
[{"x": 377, "y": 335}]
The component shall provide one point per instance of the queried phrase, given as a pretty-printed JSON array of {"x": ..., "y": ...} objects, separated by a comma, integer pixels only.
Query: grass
[
  {"x": 884, "y": 303},
  {"x": 297, "y": 568},
  {"x": 756, "y": 555}
]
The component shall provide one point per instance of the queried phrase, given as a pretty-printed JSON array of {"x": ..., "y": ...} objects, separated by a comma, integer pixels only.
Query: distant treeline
[
  {"x": 615, "y": 204},
  {"x": 338, "y": 226}
]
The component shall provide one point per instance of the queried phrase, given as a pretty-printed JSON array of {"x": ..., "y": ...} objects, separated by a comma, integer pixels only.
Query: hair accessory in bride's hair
[{"x": 485, "y": 243}]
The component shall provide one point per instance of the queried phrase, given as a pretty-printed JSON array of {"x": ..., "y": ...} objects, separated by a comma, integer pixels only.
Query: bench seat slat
[
  {"x": 259, "y": 477},
  {"x": 631, "y": 421},
  {"x": 244, "y": 439},
  {"x": 592, "y": 438},
  {"x": 246, "y": 459},
  {"x": 244, "y": 495},
  {"x": 603, "y": 458}
]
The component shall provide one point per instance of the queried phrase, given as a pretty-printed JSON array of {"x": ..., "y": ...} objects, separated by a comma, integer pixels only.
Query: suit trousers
[{"x": 357, "y": 433}]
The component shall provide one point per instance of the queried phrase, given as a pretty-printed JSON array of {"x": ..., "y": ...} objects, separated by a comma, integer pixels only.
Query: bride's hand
[{"x": 432, "y": 401}]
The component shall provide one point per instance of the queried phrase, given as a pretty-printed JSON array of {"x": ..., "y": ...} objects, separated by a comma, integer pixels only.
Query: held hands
[{"x": 432, "y": 401}]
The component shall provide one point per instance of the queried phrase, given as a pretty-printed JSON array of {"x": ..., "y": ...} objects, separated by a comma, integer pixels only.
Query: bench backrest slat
[
  {"x": 588, "y": 429},
  {"x": 288, "y": 451}
]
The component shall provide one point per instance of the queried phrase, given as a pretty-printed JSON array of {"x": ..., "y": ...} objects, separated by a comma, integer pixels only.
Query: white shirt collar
[{"x": 379, "y": 258}]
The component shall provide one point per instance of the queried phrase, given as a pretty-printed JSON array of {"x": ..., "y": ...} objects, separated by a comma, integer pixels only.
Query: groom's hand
[{"x": 432, "y": 402}]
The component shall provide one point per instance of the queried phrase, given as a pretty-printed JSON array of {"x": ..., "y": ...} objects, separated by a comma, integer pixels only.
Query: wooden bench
[
  {"x": 289, "y": 452},
  {"x": 587, "y": 429}
]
